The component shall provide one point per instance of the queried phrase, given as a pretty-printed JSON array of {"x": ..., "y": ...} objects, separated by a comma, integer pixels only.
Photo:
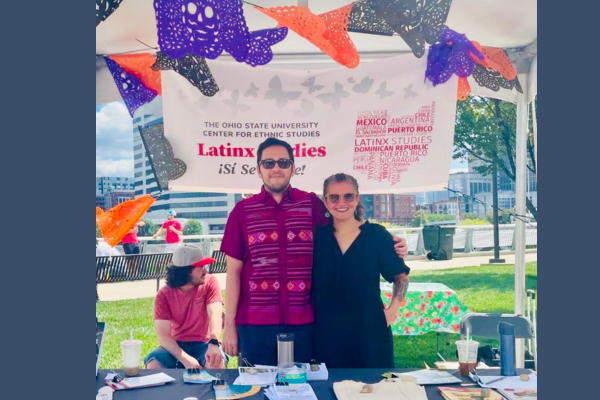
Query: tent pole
[
  {"x": 521, "y": 209},
  {"x": 534, "y": 119}
]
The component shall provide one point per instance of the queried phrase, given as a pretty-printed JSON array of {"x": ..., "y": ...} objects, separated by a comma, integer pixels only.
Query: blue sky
[{"x": 114, "y": 142}]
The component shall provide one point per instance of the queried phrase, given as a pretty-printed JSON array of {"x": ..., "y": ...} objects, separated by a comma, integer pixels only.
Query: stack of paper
[
  {"x": 460, "y": 393},
  {"x": 519, "y": 394},
  {"x": 506, "y": 382},
  {"x": 139, "y": 382},
  {"x": 430, "y": 377},
  {"x": 320, "y": 375},
  {"x": 384, "y": 390},
  {"x": 262, "y": 375},
  {"x": 292, "y": 392}
]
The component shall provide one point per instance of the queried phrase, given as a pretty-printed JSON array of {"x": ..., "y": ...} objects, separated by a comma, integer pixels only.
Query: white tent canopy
[{"x": 508, "y": 24}]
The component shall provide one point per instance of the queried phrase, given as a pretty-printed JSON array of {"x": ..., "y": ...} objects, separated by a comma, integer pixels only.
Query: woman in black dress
[{"x": 352, "y": 327}]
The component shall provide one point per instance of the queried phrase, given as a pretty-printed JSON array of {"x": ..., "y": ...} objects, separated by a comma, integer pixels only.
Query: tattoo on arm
[{"x": 400, "y": 286}]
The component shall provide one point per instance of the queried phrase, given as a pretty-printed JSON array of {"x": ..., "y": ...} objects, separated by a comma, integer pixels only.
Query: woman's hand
[
  {"x": 390, "y": 315},
  {"x": 230, "y": 340}
]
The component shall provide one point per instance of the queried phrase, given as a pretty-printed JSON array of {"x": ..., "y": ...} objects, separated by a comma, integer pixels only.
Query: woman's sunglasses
[
  {"x": 269, "y": 163},
  {"x": 334, "y": 198}
]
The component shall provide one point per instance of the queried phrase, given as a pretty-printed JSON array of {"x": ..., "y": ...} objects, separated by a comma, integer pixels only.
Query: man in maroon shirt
[
  {"x": 268, "y": 241},
  {"x": 188, "y": 315}
]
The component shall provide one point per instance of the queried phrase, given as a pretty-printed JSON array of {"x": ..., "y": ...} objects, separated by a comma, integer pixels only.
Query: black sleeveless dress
[{"x": 350, "y": 326}]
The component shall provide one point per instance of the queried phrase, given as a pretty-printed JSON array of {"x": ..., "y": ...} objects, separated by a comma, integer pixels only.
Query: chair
[
  {"x": 485, "y": 325},
  {"x": 220, "y": 264}
]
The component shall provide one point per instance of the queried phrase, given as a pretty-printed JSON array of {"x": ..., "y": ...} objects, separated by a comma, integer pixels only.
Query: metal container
[{"x": 285, "y": 348}]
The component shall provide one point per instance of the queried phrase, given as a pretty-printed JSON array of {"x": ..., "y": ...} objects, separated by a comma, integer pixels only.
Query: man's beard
[{"x": 278, "y": 190}]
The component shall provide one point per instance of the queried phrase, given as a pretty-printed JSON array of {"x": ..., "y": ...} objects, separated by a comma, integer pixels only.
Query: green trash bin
[{"x": 439, "y": 241}]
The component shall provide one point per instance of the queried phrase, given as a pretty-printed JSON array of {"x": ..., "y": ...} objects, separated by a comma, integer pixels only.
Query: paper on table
[
  {"x": 198, "y": 376},
  {"x": 302, "y": 392},
  {"x": 508, "y": 382},
  {"x": 322, "y": 374},
  {"x": 441, "y": 365},
  {"x": 430, "y": 377},
  {"x": 140, "y": 381},
  {"x": 265, "y": 378},
  {"x": 384, "y": 390},
  {"x": 519, "y": 394}
]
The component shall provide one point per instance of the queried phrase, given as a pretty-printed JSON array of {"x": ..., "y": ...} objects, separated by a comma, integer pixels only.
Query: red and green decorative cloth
[{"x": 428, "y": 307}]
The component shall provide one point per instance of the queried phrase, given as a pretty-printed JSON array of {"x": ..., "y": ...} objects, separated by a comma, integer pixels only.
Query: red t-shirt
[
  {"x": 172, "y": 237},
  {"x": 131, "y": 237},
  {"x": 187, "y": 311}
]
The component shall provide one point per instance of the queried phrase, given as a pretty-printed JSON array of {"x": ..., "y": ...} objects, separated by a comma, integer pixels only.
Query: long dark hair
[
  {"x": 360, "y": 209},
  {"x": 178, "y": 276}
]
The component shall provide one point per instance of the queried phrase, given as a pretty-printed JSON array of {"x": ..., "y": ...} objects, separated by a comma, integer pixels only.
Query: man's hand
[
  {"x": 401, "y": 247},
  {"x": 390, "y": 315},
  {"x": 230, "y": 340},
  {"x": 213, "y": 358},
  {"x": 172, "y": 229},
  {"x": 190, "y": 362}
]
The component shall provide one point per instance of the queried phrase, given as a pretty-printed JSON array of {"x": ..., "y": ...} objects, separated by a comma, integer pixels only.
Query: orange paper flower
[
  {"x": 464, "y": 89},
  {"x": 139, "y": 65},
  {"x": 497, "y": 60},
  {"x": 337, "y": 35},
  {"x": 328, "y": 31},
  {"x": 115, "y": 223}
]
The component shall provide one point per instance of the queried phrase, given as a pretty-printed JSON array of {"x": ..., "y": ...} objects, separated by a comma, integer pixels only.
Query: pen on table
[{"x": 495, "y": 380}]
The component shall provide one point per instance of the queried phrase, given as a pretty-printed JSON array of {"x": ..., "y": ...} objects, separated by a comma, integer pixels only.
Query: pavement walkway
[{"x": 141, "y": 289}]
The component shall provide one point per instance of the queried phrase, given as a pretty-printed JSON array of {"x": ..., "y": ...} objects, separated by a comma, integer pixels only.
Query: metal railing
[{"x": 467, "y": 239}]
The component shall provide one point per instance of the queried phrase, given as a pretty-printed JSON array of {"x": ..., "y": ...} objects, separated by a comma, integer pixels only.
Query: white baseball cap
[{"x": 190, "y": 256}]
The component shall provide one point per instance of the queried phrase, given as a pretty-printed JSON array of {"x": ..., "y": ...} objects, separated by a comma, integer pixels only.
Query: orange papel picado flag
[{"x": 116, "y": 222}]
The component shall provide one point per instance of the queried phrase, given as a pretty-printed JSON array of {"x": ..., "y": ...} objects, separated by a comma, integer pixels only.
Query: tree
[
  {"x": 421, "y": 218},
  {"x": 473, "y": 221},
  {"x": 98, "y": 233},
  {"x": 486, "y": 131},
  {"x": 149, "y": 229},
  {"x": 441, "y": 217},
  {"x": 504, "y": 216},
  {"x": 470, "y": 216},
  {"x": 192, "y": 227}
]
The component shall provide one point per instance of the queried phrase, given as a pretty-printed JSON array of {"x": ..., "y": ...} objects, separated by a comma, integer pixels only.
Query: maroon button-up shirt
[{"x": 275, "y": 242}]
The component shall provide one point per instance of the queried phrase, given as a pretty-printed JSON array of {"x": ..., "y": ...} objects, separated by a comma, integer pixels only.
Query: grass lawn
[{"x": 482, "y": 289}]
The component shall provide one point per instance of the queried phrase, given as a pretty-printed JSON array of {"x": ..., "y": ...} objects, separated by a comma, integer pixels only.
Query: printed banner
[{"x": 379, "y": 122}]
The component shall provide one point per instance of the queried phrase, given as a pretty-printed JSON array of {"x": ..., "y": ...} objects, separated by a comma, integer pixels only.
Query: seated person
[
  {"x": 188, "y": 315},
  {"x": 103, "y": 249}
]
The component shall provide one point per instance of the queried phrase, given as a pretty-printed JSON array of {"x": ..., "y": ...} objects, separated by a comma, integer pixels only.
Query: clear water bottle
[{"x": 507, "y": 349}]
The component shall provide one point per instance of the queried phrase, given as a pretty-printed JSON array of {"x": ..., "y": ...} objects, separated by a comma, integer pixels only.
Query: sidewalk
[{"x": 136, "y": 290}]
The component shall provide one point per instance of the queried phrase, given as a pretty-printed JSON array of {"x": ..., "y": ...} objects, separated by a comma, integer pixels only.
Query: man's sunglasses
[
  {"x": 283, "y": 163},
  {"x": 334, "y": 198}
]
